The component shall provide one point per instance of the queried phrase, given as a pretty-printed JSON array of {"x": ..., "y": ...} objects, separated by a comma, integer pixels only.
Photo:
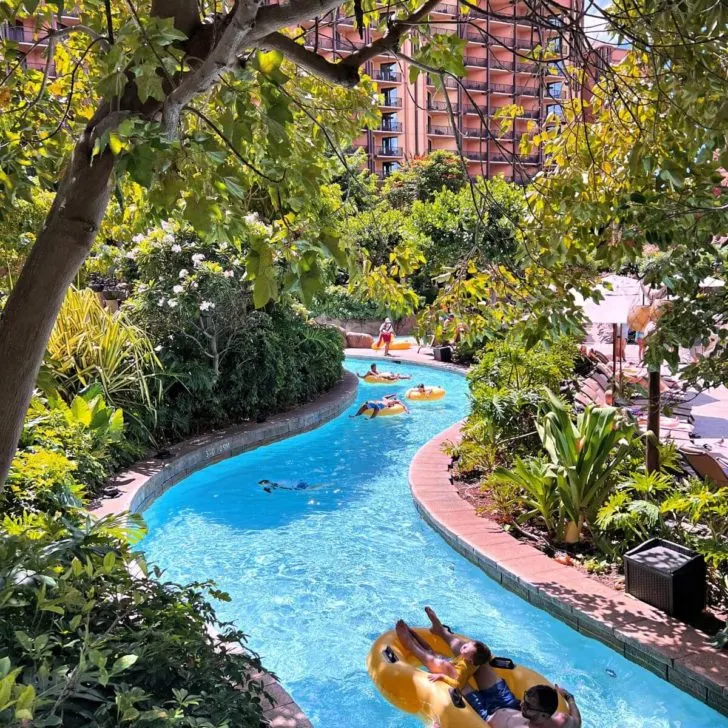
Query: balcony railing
[
  {"x": 391, "y": 102},
  {"x": 449, "y": 82},
  {"x": 475, "y": 156},
  {"x": 527, "y": 90},
  {"x": 324, "y": 41},
  {"x": 390, "y": 126},
  {"x": 474, "y": 61},
  {"x": 475, "y": 85},
  {"x": 479, "y": 133},
  {"x": 470, "y": 109},
  {"x": 501, "y": 158},
  {"x": 440, "y": 131},
  {"x": 389, "y": 152},
  {"x": 345, "y": 43},
  {"x": 391, "y": 76},
  {"x": 530, "y": 159},
  {"x": 501, "y": 88},
  {"x": 441, "y": 106},
  {"x": 536, "y": 114},
  {"x": 20, "y": 34}
]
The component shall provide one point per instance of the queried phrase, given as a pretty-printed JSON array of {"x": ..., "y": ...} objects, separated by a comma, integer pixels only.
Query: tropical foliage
[{"x": 89, "y": 639}]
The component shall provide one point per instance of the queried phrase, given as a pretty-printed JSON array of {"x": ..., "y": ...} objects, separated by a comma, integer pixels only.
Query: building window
[
  {"x": 389, "y": 122},
  {"x": 554, "y": 109},
  {"x": 389, "y": 168},
  {"x": 390, "y": 97},
  {"x": 555, "y": 90}
]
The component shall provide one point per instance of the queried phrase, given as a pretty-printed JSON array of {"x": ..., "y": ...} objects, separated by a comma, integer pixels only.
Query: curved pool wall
[{"x": 331, "y": 551}]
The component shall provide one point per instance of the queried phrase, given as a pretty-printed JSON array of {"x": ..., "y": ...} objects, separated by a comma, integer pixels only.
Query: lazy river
[{"x": 330, "y": 551}]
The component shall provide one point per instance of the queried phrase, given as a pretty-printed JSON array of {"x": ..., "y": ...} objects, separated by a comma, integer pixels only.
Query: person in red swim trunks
[{"x": 386, "y": 335}]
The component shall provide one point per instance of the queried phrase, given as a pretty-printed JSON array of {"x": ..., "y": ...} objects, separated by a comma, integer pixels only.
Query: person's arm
[{"x": 574, "y": 714}]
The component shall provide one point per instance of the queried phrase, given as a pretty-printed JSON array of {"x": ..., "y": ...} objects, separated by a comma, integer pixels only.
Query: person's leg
[
  {"x": 360, "y": 410},
  {"x": 437, "y": 628},
  {"x": 432, "y": 661}
]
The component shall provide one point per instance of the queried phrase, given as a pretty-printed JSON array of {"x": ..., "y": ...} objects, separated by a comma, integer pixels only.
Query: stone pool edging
[
  {"x": 147, "y": 480},
  {"x": 670, "y": 649}
]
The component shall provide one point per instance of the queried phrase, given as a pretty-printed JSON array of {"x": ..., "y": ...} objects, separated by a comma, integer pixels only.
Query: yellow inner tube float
[
  {"x": 428, "y": 395},
  {"x": 393, "y": 346},
  {"x": 395, "y": 409},
  {"x": 405, "y": 685},
  {"x": 376, "y": 379}
]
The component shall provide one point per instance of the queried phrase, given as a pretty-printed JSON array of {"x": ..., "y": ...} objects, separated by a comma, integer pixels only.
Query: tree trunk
[
  {"x": 31, "y": 311},
  {"x": 653, "y": 423}
]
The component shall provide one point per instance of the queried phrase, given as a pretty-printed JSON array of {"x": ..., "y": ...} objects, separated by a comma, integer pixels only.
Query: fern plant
[{"x": 633, "y": 512}]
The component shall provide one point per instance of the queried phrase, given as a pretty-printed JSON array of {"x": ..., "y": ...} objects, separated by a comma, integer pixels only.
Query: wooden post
[{"x": 653, "y": 423}]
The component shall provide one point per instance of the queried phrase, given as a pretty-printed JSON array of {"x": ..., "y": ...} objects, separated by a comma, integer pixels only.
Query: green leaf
[
  {"x": 123, "y": 663},
  {"x": 110, "y": 558},
  {"x": 24, "y": 702},
  {"x": 261, "y": 291}
]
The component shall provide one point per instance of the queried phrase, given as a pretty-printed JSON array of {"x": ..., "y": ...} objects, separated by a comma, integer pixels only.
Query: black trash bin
[
  {"x": 667, "y": 576},
  {"x": 442, "y": 353}
]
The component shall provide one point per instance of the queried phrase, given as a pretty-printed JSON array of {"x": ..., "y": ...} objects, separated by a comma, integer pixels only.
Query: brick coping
[
  {"x": 672, "y": 650},
  {"x": 139, "y": 486}
]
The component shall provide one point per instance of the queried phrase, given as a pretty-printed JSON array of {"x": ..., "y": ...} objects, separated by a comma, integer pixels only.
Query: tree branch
[
  {"x": 312, "y": 62},
  {"x": 346, "y": 72}
]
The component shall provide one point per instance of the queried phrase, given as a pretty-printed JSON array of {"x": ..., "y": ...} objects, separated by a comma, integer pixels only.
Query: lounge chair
[{"x": 706, "y": 465}]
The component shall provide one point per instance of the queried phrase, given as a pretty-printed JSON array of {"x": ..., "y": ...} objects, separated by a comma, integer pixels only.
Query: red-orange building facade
[{"x": 416, "y": 118}]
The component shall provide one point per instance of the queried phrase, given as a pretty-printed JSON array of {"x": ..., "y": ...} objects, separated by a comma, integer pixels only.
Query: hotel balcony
[
  {"x": 470, "y": 109},
  {"x": 530, "y": 159},
  {"x": 501, "y": 158},
  {"x": 449, "y": 82},
  {"x": 440, "y": 131},
  {"x": 475, "y": 85},
  {"x": 475, "y": 61},
  {"x": 344, "y": 43},
  {"x": 442, "y": 106},
  {"x": 445, "y": 9},
  {"x": 26, "y": 36},
  {"x": 475, "y": 156},
  {"x": 391, "y": 103},
  {"x": 325, "y": 42},
  {"x": 387, "y": 76},
  {"x": 534, "y": 114},
  {"x": 391, "y": 152},
  {"x": 389, "y": 126}
]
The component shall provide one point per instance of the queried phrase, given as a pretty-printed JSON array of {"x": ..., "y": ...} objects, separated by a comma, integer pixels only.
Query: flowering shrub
[{"x": 225, "y": 361}]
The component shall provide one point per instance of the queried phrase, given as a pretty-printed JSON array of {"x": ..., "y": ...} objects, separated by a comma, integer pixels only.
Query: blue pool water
[{"x": 317, "y": 573}]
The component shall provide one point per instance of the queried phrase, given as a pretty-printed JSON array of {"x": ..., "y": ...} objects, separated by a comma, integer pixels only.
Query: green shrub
[
  {"x": 66, "y": 452},
  {"x": 337, "y": 302},
  {"x": 89, "y": 640},
  {"x": 224, "y": 360},
  {"x": 507, "y": 390}
]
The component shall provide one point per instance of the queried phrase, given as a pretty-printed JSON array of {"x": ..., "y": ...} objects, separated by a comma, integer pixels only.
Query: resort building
[{"x": 418, "y": 117}]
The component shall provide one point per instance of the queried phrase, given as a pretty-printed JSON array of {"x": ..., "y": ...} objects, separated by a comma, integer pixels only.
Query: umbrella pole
[
  {"x": 653, "y": 423},
  {"x": 614, "y": 359}
]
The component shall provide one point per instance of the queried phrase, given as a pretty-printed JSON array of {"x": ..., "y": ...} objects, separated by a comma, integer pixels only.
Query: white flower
[
  {"x": 228, "y": 274},
  {"x": 160, "y": 302},
  {"x": 194, "y": 285},
  {"x": 137, "y": 238},
  {"x": 176, "y": 248},
  {"x": 206, "y": 305},
  {"x": 197, "y": 258},
  {"x": 172, "y": 303},
  {"x": 158, "y": 348},
  {"x": 131, "y": 255},
  {"x": 166, "y": 227},
  {"x": 184, "y": 273},
  {"x": 178, "y": 289},
  {"x": 168, "y": 239},
  {"x": 252, "y": 218}
]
